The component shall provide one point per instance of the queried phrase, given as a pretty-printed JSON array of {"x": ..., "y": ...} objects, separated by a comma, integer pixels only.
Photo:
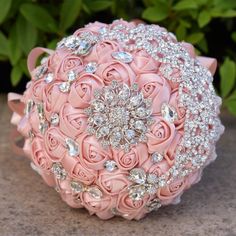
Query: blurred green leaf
[
  {"x": 156, "y": 13},
  {"x": 39, "y": 17},
  {"x": 181, "y": 32},
  {"x": 16, "y": 74},
  {"x": 185, "y": 5},
  {"x": 52, "y": 44},
  {"x": 98, "y": 5},
  {"x": 204, "y": 18},
  {"x": 228, "y": 76},
  {"x": 217, "y": 12},
  {"x": 4, "y": 9},
  {"x": 195, "y": 38},
  {"x": 27, "y": 34},
  {"x": 4, "y": 49},
  {"x": 15, "y": 51},
  {"x": 69, "y": 12},
  {"x": 230, "y": 103},
  {"x": 23, "y": 65},
  {"x": 233, "y": 36}
]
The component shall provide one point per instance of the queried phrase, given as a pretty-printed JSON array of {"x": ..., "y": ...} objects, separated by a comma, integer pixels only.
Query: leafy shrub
[{"x": 208, "y": 24}]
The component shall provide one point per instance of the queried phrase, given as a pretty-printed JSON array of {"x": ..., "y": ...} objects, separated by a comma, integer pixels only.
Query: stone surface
[{"x": 29, "y": 207}]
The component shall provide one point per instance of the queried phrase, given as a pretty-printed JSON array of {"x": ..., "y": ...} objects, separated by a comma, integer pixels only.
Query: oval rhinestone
[
  {"x": 72, "y": 147},
  {"x": 77, "y": 187},
  {"x": 168, "y": 113},
  {"x": 95, "y": 192},
  {"x": 110, "y": 165},
  {"x": 137, "y": 175},
  {"x": 122, "y": 56},
  {"x": 137, "y": 192}
]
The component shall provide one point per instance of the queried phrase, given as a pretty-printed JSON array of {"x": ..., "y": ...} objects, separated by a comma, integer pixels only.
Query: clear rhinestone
[
  {"x": 152, "y": 178},
  {"x": 98, "y": 120},
  {"x": 77, "y": 187},
  {"x": 40, "y": 72},
  {"x": 124, "y": 93},
  {"x": 137, "y": 175},
  {"x": 72, "y": 42},
  {"x": 91, "y": 67},
  {"x": 109, "y": 95},
  {"x": 29, "y": 107},
  {"x": 72, "y": 147},
  {"x": 137, "y": 192},
  {"x": 43, "y": 126},
  {"x": 151, "y": 188},
  {"x": 110, "y": 165},
  {"x": 136, "y": 100},
  {"x": 141, "y": 112},
  {"x": 83, "y": 48},
  {"x": 64, "y": 87},
  {"x": 168, "y": 113},
  {"x": 49, "y": 78},
  {"x": 139, "y": 125},
  {"x": 59, "y": 171},
  {"x": 54, "y": 119},
  {"x": 153, "y": 205},
  {"x": 122, "y": 56},
  {"x": 98, "y": 106},
  {"x": 71, "y": 76},
  {"x": 40, "y": 111},
  {"x": 95, "y": 192},
  {"x": 157, "y": 157},
  {"x": 130, "y": 134},
  {"x": 103, "y": 131}
]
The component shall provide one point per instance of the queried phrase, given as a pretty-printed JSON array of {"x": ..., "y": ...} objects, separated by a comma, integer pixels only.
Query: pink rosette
[
  {"x": 100, "y": 207},
  {"x": 160, "y": 136},
  {"x": 68, "y": 63},
  {"x": 53, "y": 99},
  {"x": 155, "y": 168},
  {"x": 102, "y": 51},
  {"x": 130, "y": 209},
  {"x": 54, "y": 142},
  {"x": 39, "y": 157},
  {"x": 82, "y": 90},
  {"x": 135, "y": 157},
  {"x": 36, "y": 90},
  {"x": 155, "y": 88},
  {"x": 73, "y": 122},
  {"x": 112, "y": 183},
  {"x": 116, "y": 70},
  {"x": 142, "y": 63},
  {"x": 92, "y": 155}
]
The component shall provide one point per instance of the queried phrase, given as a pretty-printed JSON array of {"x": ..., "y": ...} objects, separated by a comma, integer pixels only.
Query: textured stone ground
[{"x": 29, "y": 207}]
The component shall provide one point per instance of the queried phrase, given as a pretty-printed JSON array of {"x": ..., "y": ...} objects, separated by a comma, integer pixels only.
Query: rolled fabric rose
[{"x": 120, "y": 118}]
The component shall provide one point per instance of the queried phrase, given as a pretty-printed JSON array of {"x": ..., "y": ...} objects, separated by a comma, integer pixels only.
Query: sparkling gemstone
[
  {"x": 77, "y": 187},
  {"x": 98, "y": 120},
  {"x": 110, "y": 165},
  {"x": 40, "y": 72},
  {"x": 151, "y": 188},
  {"x": 137, "y": 175},
  {"x": 136, "y": 100},
  {"x": 168, "y": 113},
  {"x": 71, "y": 76},
  {"x": 103, "y": 131},
  {"x": 54, "y": 119},
  {"x": 122, "y": 56},
  {"x": 59, "y": 171},
  {"x": 40, "y": 111},
  {"x": 153, "y": 205},
  {"x": 29, "y": 107},
  {"x": 64, "y": 87},
  {"x": 157, "y": 157},
  {"x": 72, "y": 147},
  {"x": 98, "y": 106},
  {"x": 139, "y": 125},
  {"x": 130, "y": 134},
  {"x": 43, "y": 126},
  {"x": 49, "y": 78},
  {"x": 109, "y": 95},
  {"x": 137, "y": 192},
  {"x": 95, "y": 192},
  {"x": 124, "y": 93},
  {"x": 141, "y": 112},
  {"x": 152, "y": 178},
  {"x": 72, "y": 42},
  {"x": 91, "y": 67},
  {"x": 83, "y": 48}
]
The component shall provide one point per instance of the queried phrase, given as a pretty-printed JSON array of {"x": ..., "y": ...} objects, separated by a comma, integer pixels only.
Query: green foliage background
[{"x": 209, "y": 25}]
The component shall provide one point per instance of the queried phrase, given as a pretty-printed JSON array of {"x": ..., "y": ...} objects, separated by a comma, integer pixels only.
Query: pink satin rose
[
  {"x": 181, "y": 111},
  {"x": 73, "y": 122},
  {"x": 112, "y": 183},
  {"x": 156, "y": 88},
  {"x": 68, "y": 63},
  {"x": 158, "y": 168},
  {"x": 54, "y": 142},
  {"x": 116, "y": 70},
  {"x": 36, "y": 90},
  {"x": 53, "y": 99},
  {"x": 101, "y": 52},
  {"x": 92, "y": 154},
  {"x": 135, "y": 157},
  {"x": 100, "y": 207},
  {"x": 130, "y": 209},
  {"x": 142, "y": 63},
  {"x": 160, "y": 136},
  {"x": 39, "y": 157},
  {"x": 82, "y": 90}
]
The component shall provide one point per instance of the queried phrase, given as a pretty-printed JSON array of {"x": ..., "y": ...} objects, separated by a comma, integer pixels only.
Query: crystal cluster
[{"x": 119, "y": 116}]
